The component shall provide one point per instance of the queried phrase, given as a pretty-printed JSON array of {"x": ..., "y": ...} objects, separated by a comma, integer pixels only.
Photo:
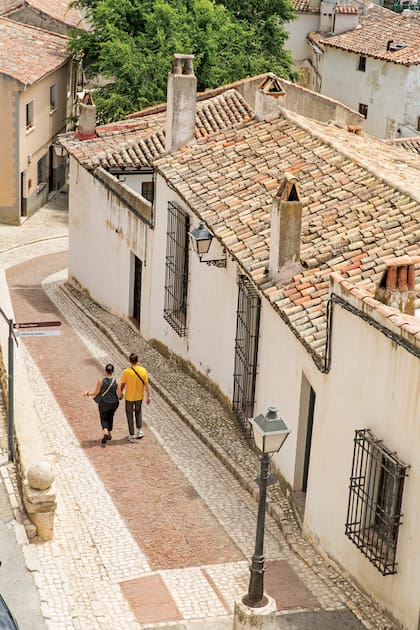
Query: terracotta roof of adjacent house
[
  {"x": 375, "y": 32},
  {"x": 137, "y": 141},
  {"x": 409, "y": 144},
  {"x": 346, "y": 9},
  {"x": 60, "y": 10},
  {"x": 408, "y": 325},
  {"x": 27, "y": 53},
  {"x": 305, "y": 6},
  {"x": 9, "y": 5},
  {"x": 360, "y": 196}
]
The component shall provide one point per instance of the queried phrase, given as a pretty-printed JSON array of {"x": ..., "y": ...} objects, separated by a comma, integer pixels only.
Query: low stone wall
[{"x": 35, "y": 472}]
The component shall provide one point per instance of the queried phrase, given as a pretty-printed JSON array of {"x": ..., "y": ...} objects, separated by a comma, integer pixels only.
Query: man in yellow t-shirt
[{"x": 134, "y": 383}]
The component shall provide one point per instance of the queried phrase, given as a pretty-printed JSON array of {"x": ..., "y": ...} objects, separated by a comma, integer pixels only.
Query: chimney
[
  {"x": 268, "y": 98},
  {"x": 286, "y": 223},
  {"x": 86, "y": 128},
  {"x": 397, "y": 285},
  {"x": 180, "y": 111}
]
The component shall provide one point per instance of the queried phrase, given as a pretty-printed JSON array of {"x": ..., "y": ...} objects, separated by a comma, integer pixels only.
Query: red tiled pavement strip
[
  {"x": 165, "y": 515},
  {"x": 285, "y": 586},
  {"x": 150, "y": 600}
]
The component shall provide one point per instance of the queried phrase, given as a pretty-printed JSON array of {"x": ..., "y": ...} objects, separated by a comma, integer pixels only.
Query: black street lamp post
[
  {"x": 255, "y": 597},
  {"x": 270, "y": 432}
]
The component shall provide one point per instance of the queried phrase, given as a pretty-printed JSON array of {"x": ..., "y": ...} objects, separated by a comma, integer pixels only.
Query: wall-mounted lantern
[
  {"x": 59, "y": 150},
  {"x": 201, "y": 239}
]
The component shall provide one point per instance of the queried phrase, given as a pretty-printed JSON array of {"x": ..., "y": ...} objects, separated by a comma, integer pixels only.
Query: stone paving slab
[{"x": 151, "y": 600}]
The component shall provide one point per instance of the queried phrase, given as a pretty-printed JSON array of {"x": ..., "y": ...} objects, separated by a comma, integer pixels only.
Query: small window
[
  {"x": 362, "y": 64},
  {"x": 375, "y": 498},
  {"x": 29, "y": 115},
  {"x": 147, "y": 191},
  {"x": 363, "y": 109},
  {"x": 418, "y": 123},
  {"x": 176, "y": 275},
  {"x": 42, "y": 174},
  {"x": 53, "y": 98}
]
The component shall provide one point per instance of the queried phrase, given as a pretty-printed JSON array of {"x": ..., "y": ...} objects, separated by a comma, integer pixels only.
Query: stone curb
[{"x": 289, "y": 529}]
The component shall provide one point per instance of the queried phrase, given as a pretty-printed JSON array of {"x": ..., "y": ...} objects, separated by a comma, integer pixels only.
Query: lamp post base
[{"x": 247, "y": 618}]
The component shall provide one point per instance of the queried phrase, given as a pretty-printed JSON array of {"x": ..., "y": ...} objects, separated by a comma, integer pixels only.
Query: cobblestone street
[{"x": 158, "y": 533}]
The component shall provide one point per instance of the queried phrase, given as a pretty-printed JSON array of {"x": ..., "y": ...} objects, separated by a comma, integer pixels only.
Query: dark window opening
[
  {"x": 362, "y": 64},
  {"x": 148, "y": 191},
  {"x": 418, "y": 123},
  {"x": 363, "y": 109},
  {"x": 176, "y": 274},
  {"x": 29, "y": 115},
  {"x": 375, "y": 498},
  {"x": 42, "y": 174},
  {"x": 53, "y": 97}
]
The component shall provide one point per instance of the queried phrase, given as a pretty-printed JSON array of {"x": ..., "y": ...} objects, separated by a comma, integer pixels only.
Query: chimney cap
[
  {"x": 182, "y": 64},
  {"x": 288, "y": 189}
]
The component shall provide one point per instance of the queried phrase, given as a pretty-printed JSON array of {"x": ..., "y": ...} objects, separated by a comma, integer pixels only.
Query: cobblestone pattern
[
  {"x": 88, "y": 558},
  {"x": 218, "y": 430}
]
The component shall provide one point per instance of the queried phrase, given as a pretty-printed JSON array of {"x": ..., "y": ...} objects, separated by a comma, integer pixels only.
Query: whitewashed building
[
  {"x": 374, "y": 67},
  {"x": 305, "y": 300}
]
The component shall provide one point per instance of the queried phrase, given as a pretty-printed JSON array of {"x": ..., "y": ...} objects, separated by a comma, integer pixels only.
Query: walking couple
[{"x": 109, "y": 391}]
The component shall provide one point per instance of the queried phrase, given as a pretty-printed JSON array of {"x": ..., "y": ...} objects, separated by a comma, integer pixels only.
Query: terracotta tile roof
[
  {"x": 376, "y": 29},
  {"x": 346, "y": 9},
  {"x": 409, "y": 144},
  {"x": 137, "y": 141},
  {"x": 408, "y": 324},
  {"x": 358, "y": 208},
  {"x": 305, "y": 6},
  {"x": 60, "y": 10},
  {"x": 9, "y": 5},
  {"x": 27, "y": 53}
]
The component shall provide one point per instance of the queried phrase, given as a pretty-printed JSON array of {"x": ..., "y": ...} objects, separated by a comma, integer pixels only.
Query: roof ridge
[{"x": 306, "y": 124}]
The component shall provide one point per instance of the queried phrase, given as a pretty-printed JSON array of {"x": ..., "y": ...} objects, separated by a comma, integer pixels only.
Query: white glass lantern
[
  {"x": 270, "y": 431},
  {"x": 201, "y": 240}
]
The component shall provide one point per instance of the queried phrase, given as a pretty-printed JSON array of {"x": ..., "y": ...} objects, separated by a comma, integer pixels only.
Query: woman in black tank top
[{"x": 107, "y": 394}]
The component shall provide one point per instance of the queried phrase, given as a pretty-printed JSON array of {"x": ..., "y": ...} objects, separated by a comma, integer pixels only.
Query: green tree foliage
[{"x": 131, "y": 43}]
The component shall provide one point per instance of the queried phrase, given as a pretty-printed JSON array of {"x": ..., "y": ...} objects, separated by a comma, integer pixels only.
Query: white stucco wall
[
  {"x": 104, "y": 235},
  {"x": 281, "y": 363},
  {"x": 212, "y": 303},
  {"x": 375, "y": 384},
  {"x": 412, "y": 110},
  {"x": 298, "y": 30},
  {"x": 383, "y": 88}
]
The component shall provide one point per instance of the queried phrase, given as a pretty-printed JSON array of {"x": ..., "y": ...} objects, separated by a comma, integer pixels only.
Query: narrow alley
[{"x": 157, "y": 533}]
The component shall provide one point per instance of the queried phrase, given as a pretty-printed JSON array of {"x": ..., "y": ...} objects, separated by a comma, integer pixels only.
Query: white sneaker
[
  {"x": 131, "y": 438},
  {"x": 140, "y": 434}
]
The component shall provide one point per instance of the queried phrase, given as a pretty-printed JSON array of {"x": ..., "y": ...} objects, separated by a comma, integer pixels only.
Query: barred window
[
  {"x": 176, "y": 276},
  {"x": 374, "y": 507}
]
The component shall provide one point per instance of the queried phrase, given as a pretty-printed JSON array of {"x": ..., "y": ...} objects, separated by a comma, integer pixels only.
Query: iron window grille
[
  {"x": 246, "y": 352},
  {"x": 375, "y": 497},
  {"x": 176, "y": 274}
]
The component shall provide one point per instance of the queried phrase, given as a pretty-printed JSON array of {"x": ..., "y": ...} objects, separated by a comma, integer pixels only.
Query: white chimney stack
[
  {"x": 86, "y": 128},
  {"x": 285, "y": 236},
  {"x": 181, "y": 102},
  {"x": 269, "y": 97}
]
